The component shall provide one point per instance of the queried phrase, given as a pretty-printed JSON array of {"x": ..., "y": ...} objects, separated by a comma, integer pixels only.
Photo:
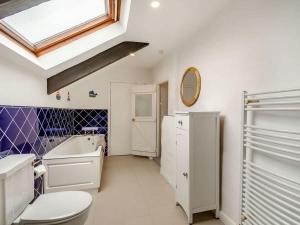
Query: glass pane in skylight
[{"x": 54, "y": 17}]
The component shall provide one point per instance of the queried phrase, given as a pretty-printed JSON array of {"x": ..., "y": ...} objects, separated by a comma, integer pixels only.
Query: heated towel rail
[{"x": 270, "y": 177}]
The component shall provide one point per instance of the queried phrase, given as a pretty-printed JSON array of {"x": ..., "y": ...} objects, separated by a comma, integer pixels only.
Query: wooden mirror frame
[{"x": 198, "y": 88}]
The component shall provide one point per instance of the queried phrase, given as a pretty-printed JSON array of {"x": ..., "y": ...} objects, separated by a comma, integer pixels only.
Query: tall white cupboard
[{"x": 197, "y": 162}]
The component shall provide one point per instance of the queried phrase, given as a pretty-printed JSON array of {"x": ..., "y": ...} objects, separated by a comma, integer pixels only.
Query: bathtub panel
[
  {"x": 74, "y": 165},
  {"x": 60, "y": 174},
  {"x": 72, "y": 174}
]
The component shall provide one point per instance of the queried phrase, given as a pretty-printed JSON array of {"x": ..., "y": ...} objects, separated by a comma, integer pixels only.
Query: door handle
[
  {"x": 185, "y": 175},
  {"x": 133, "y": 120}
]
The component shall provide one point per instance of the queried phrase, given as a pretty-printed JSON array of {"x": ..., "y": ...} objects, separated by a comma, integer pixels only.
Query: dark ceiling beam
[
  {"x": 11, "y": 7},
  {"x": 91, "y": 65}
]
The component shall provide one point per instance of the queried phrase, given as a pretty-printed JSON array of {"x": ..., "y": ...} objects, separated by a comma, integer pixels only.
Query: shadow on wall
[{"x": 222, "y": 122}]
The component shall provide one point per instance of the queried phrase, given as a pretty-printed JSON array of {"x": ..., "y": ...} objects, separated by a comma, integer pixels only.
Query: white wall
[
  {"x": 20, "y": 86},
  {"x": 251, "y": 45},
  {"x": 100, "y": 83},
  {"x": 166, "y": 71}
]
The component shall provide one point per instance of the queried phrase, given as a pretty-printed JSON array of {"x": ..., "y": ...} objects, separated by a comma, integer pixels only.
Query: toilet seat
[{"x": 54, "y": 207}]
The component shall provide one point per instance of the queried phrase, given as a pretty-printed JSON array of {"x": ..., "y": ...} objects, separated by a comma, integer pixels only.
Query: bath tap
[{"x": 92, "y": 129}]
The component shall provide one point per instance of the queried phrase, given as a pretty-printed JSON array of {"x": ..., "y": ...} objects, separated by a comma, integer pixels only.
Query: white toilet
[{"x": 17, "y": 191}]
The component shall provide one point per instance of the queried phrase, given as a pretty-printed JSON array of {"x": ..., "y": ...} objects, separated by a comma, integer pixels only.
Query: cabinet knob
[
  {"x": 185, "y": 175},
  {"x": 180, "y": 122}
]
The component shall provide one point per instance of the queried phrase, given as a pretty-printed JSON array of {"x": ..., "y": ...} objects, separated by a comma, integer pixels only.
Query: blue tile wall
[
  {"x": 37, "y": 130},
  {"x": 33, "y": 130},
  {"x": 38, "y": 187},
  {"x": 56, "y": 125},
  {"x": 91, "y": 118}
]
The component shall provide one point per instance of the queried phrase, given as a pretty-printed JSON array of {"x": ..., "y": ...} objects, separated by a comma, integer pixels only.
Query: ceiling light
[
  {"x": 132, "y": 54},
  {"x": 155, "y": 4}
]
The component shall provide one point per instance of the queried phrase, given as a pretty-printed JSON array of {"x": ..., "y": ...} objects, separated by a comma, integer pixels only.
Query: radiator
[{"x": 270, "y": 159}]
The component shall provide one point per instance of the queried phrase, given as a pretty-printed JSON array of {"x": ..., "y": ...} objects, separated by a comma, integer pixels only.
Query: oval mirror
[{"x": 190, "y": 86}]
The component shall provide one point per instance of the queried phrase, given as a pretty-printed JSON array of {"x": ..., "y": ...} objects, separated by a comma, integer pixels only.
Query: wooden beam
[
  {"x": 4, "y": 1},
  {"x": 91, "y": 65},
  {"x": 11, "y": 7}
]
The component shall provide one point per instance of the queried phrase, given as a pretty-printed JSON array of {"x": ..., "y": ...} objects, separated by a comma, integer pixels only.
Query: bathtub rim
[
  {"x": 56, "y": 156},
  {"x": 50, "y": 155}
]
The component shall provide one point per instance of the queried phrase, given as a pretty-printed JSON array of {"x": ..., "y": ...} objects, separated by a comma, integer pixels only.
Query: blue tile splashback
[
  {"x": 37, "y": 130},
  {"x": 38, "y": 187},
  {"x": 90, "y": 118},
  {"x": 29, "y": 129}
]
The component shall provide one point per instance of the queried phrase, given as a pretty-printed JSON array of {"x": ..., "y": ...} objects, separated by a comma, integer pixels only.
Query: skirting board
[{"x": 226, "y": 219}]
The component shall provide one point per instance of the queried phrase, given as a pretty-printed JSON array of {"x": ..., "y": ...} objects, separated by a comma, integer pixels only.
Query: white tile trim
[{"x": 226, "y": 219}]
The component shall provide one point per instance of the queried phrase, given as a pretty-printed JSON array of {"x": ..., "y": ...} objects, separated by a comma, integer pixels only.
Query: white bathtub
[{"x": 75, "y": 164}]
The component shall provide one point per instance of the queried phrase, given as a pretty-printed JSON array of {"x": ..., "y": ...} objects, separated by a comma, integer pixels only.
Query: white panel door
[
  {"x": 120, "y": 117},
  {"x": 143, "y": 128}
]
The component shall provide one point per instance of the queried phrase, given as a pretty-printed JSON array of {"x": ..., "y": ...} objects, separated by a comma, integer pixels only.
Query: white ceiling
[{"x": 166, "y": 27}]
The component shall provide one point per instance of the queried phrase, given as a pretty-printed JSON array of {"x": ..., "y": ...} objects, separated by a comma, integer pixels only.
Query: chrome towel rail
[
  {"x": 285, "y": 100},
  {"x": 271, "y": 141},
  {"x": 249, "y": 99},
  {"x": 269, "y": 197},
  {"x": 272, "y": 130},
  {"x": 272, "y": 109},
  {"x": 273, "y": 135},
  {"x": 272, "y": 103},
  {"x": 273, "y": 92}
]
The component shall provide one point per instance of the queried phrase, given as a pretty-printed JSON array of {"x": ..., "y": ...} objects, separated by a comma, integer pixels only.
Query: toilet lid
[{"x": 57, "y": 206}]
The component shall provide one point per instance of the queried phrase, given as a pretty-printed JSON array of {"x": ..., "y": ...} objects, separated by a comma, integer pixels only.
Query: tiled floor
[{"x": 134, "y": 193}]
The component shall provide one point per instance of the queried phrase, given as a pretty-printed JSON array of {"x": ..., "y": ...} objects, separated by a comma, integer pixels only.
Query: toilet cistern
[{"x": 17, "y": 191}]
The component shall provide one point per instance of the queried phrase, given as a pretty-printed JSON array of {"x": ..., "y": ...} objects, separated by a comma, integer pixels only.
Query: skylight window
[
  {"x": 52, "y": 23},
  {"x": 54, "y": 17}
]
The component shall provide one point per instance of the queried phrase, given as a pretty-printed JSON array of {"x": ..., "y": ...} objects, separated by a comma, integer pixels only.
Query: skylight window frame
[{"x": 65, "y": 37}]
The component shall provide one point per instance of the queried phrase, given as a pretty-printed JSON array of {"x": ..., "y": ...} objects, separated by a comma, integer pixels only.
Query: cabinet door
[{"x": 182, "y": 168}]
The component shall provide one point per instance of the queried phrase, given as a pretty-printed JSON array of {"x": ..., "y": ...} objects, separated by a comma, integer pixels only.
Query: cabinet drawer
[{"x": 182, "y": 122}]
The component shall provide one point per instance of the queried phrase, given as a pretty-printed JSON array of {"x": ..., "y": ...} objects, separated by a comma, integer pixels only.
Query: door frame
[{"x": 158, "y": 125}]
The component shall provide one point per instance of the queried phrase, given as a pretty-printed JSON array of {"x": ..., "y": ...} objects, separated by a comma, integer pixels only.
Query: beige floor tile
[
  {"x": 139, "y": 221},
  {"x": 134, "y": 193},
  {"x": 168, "y": 215}
]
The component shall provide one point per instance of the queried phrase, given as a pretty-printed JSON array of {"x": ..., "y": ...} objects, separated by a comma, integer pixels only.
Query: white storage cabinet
[{"x": 197, "y": 162}]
